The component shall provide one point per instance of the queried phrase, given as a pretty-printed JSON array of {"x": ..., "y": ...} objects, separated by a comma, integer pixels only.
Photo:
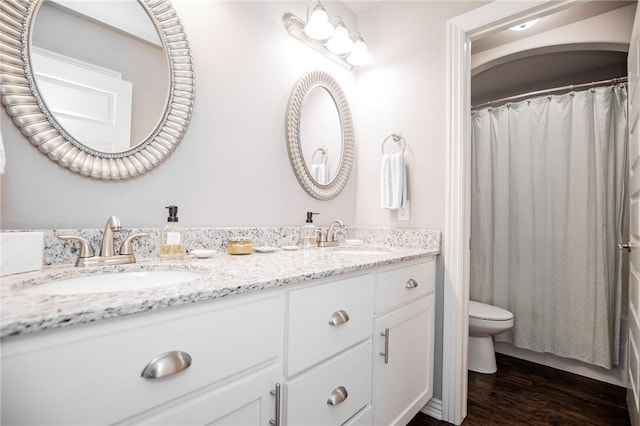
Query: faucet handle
[
  {"x": 85, "y": 246},
  {"x": 125, "y": 248}
]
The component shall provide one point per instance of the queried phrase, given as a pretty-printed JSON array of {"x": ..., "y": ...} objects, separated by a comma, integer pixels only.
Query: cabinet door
[
  {"x": 403, "y": 374},
  {"x": 244, "y": 402}
]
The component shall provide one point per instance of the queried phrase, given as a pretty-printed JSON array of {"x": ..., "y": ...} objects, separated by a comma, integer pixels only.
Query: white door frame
[{"x": 461, "y": 31}]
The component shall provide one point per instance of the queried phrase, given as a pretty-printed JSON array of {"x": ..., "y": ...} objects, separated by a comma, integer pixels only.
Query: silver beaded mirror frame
[
  {"x": 23, "y": 102},
  {"x": 303, "y": 87}
]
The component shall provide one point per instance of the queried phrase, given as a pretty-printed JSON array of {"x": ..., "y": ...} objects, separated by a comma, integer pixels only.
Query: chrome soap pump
[{"x": 308, "y": 232}]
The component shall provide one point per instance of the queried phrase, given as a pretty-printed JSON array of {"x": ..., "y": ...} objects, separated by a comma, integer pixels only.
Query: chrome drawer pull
[
  {"x": 166, "y": 364},
  {"x": 338, "y": 395},
  {"x": 339, "y": 317},
  {"x": 277, "y": 393},
  {"x": 411, "y": 283},
  {"x": 385, "y": 354}
]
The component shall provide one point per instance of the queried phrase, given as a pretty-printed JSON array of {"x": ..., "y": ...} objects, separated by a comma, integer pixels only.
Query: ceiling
[
  {"x": 573, "y": 14},
  {"x": 359, "y": 7}
]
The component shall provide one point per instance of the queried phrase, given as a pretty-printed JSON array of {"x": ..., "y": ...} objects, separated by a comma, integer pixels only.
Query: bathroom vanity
[{"x": 319, "y": 336}]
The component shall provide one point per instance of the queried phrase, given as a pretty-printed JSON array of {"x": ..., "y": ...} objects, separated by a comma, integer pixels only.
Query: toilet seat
[{"x": 485, "y": 312}]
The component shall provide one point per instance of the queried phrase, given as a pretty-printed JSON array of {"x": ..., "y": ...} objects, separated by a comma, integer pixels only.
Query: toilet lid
[{"x": 488, "y": 312}]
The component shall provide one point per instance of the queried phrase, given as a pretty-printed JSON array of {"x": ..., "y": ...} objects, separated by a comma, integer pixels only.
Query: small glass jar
[{"x": 240, "y": 246}]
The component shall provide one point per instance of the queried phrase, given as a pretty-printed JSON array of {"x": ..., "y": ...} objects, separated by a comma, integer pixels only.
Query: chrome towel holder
[
  {"x": 323, "y": 156},
  {"x": 397, "y": 138}
]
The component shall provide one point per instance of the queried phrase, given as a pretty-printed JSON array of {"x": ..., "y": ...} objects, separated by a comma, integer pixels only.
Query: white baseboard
[{"x": 433, "y": 408}]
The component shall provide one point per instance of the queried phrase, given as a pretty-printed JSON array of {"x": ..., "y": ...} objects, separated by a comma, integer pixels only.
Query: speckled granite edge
[
  {"x": 57, "y": 252},
  {"x": 222, "y": 275}
]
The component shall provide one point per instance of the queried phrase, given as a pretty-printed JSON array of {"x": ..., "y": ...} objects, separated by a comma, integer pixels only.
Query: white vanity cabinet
[
  {"x": 328, "y": 347},
  {"x": 403, "y": 342},
  {"x": 91, "y": 374},
  {"x": 317, "y": 343}
]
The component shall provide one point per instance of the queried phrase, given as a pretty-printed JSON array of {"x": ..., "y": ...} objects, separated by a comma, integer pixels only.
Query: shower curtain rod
[{"x": 571, "y": 87}]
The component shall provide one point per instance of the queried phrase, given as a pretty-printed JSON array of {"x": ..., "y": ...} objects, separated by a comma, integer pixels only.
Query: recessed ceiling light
[{"x": 524, "y": 26}]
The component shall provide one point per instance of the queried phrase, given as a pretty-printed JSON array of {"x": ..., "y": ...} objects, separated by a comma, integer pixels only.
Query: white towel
[
  {"x": 393, "y": 181},
  {"x": 320, "y": 173}
]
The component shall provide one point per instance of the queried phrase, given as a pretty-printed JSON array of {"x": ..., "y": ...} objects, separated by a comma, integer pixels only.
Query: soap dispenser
[
  {"x": 308, "y": 232},
  {"x": 172, "y": 243}
]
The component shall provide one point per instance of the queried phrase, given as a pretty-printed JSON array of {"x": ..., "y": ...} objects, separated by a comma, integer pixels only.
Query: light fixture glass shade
[
  {"x": 360, "y": 54},
  {"x": 340, "y": 43},
  {"x": 318, "y": 26}
]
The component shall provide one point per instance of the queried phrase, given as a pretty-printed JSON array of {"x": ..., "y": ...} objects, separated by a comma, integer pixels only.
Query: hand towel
[
  {"x": 320, "y": 172},
  {"x": 393, "y": 181}
]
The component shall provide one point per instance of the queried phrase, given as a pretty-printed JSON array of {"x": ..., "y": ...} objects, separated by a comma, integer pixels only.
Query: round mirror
[
  {"x": 104, "y": 88},
  {"x": 320, "y": 135}
]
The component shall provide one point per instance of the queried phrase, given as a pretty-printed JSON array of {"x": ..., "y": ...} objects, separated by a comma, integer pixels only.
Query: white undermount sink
[{"x": 114, "y": 282}]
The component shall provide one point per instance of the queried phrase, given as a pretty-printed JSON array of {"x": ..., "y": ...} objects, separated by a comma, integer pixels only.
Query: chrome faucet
[
  {"x": 107, "y": 254},
  {"x": 329, "y": 239},
  {"x": 106, "y": 247}
]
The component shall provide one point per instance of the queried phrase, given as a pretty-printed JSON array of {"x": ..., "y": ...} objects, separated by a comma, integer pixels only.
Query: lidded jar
[{"x": 240, "y": 246}]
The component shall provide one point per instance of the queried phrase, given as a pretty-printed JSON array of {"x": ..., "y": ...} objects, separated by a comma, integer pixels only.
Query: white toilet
[{"x": 485, "y": 321}]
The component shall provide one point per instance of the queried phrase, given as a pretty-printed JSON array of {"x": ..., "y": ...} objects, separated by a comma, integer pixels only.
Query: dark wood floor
[{"x": 524, "y": 393}]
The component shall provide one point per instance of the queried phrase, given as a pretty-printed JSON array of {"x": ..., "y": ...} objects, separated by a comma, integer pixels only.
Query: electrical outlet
[{"x": 404, "y": 213}]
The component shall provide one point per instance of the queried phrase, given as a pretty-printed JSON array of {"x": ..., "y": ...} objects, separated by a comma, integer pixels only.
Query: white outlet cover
[{"x": 405, "y": 213}]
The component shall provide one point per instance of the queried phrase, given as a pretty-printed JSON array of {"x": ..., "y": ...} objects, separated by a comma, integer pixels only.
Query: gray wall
[{"x": 231, "y": 169}]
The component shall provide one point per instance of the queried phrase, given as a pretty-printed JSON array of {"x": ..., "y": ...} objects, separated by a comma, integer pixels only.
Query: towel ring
[
  {"x": 397, "y": 137},
  {"x": 323, "y": 158}
]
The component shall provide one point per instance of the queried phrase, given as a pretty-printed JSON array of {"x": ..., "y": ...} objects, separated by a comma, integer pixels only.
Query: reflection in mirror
[
  {"x": 169, "y": 106},
  {"x": 320, "y": 140},
  {"x": 321, "y": 135},
  {"x": 108, "y": 89}
]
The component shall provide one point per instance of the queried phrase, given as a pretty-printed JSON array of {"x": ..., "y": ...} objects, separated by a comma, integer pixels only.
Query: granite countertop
[{"x": 223, "y": 275}]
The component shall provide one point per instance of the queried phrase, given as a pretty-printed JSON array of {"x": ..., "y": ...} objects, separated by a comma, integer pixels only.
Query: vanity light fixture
[{"x": 329, "y": 37}]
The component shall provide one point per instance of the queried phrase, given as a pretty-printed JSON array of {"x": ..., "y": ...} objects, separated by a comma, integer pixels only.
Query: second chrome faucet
[
  {"x": 329, "y": 239},
  {"x": 107, "y": 255}
]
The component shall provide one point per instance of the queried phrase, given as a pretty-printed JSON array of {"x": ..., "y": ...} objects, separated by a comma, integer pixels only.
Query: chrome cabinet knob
[
  {"x": 338, "y": 395},
  {"x": 339, "y": 317},
  {"x": 166, "y": 364},
  {"x": 411, "y": 283},
  {"x": 385, "y": 354},
  {"x": 277, "y": 393}
]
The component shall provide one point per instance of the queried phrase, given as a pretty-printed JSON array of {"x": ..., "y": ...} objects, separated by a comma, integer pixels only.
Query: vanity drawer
[
  {"x": 402, "y": 285},
  {"x": 92, "y": 374},
  {"x": 307, "y": 396},
  {"x": 311, "y": 336}
]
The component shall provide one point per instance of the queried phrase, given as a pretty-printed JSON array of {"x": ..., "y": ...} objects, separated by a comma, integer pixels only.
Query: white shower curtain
[{"x": 548, "y": 188}]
